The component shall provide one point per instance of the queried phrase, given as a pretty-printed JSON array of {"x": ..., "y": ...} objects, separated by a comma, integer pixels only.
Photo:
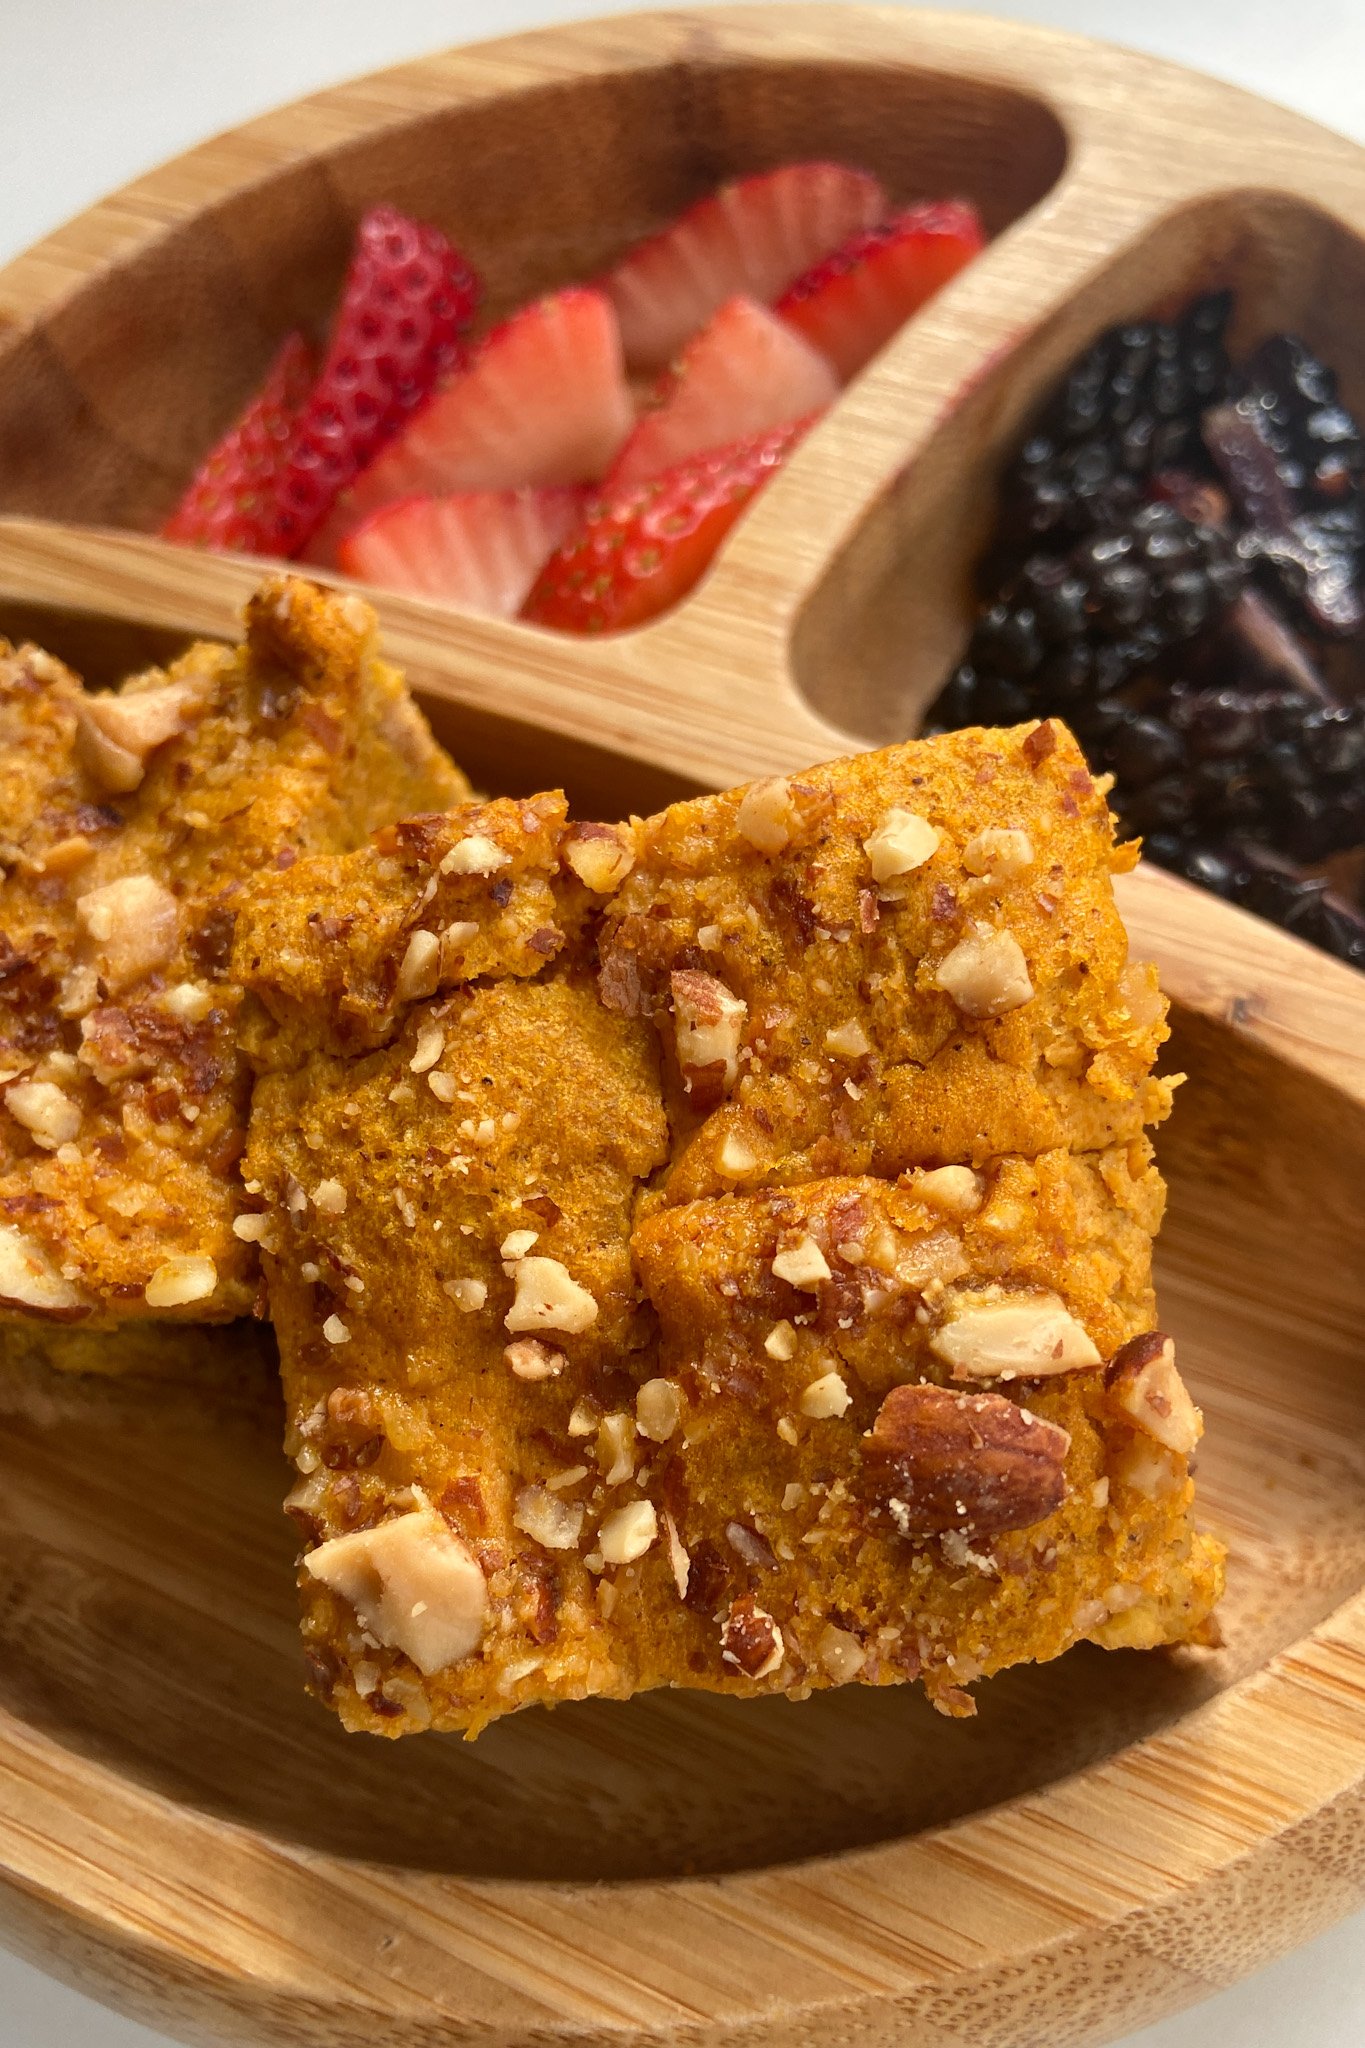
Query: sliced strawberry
[
  {"x": 232, "y": 499},
  {"x": 482, "y": 550},
  {"x": 408, "y": 297},
  {"x": 850, "y": 305},
  {"x": 545, "y": 401},
  {"x": 743, "y": 374},
  {"x": 753, "y": 237},
  {"x": 639, "y": 552}
]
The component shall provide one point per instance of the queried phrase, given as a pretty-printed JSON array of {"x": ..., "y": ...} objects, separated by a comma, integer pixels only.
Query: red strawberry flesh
[
  {"x": 231, "y": 501},
  {"x": 745, "y": 373},
  {"x": 753, "y": 237},
  {"x": 544, "y": 401},
  {"x": 482, "y": 549},
  {"x": 408, "y": 298},
  {"x": 642, "y": 551},
  {"x": 850, "y": 305}
]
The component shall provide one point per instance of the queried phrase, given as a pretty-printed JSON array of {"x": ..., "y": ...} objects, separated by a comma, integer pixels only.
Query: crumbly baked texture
[
  {"x": 834, "y": 906},
  {"x": 132, "y": 822},
  {"x": 594, "y": 1386}
]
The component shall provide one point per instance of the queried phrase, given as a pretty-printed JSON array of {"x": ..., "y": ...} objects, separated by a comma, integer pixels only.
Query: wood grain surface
[{"x": 180, "y": 1829}]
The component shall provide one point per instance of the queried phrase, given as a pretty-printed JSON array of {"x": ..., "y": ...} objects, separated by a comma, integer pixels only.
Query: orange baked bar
[
  {"x": 911, "y": 958},
  {"x": 580, "y": 1403},
  {"x": 133, "y": 819}
]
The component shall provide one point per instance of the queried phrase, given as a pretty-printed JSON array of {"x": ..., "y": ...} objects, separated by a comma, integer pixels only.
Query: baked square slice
[
  {"x": 447, "y": 1183},
  {"x": 133, "y": 820},
  {"x": 912, "y": 958},
  {"x": 925, "y": 1429},
  {"x": 561, "y": 1433}
]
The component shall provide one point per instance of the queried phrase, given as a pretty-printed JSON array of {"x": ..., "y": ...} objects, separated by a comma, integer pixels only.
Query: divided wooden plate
[{"x": 181, "y": 1830}]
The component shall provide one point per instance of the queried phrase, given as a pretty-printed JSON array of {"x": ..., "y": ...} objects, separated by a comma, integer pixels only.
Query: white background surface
[{"x": 95, "y": 91}]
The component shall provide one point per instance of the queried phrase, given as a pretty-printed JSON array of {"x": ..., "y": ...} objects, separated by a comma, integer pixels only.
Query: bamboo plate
[{"x": 1116, "y": 1835}]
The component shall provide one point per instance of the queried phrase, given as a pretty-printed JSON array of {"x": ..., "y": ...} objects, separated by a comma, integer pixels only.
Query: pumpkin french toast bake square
[
  {"x": 133, "y": 821},
  {"x": 715, "y": 1251}
]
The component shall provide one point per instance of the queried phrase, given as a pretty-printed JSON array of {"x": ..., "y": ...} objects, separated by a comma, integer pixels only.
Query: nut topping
[
  {"x": 708, "y": 1022},
  {"x": 803, "y": 1265},
  {"x": 842, "y": 1655},
  {"x": 999, "y": 851},
  {"x": 735, "y": 1157},
  {"x": 476, "y": 854},
  {"x": 986, "y": 973},
  {"x": 658, "y": 1410},
  {"x": 30, "y": 1280},
  {"x": 616, "y": 1447},
  {"x": 995, "y": 1336},
  {"x": 902, "y": 842},
  {"x": 679, "y": 1563},
  {"x": 848, "y": 1041},
  {"x": 552, "y": 1523},
  {"x": 1142, "y": 1383},
  {"x": 532, "y": 1359},
  {"x": 413, "y": 1584},
  {"x": 47, "y": 1113},
  {"x": 954, "y": 1190},
  {"x": 750, "y": 1640},
  {"x": 177, "y": 1282},
  {"x": 133, "y": 927},
  {"x": 467, "y": 1295},
  {"x": 117, "y": 731},
  {"x": 942, "y": 1460},
  {"x": 431, "y": 1043},
  {"x": 598, "y": 857},
  {"x": 767, "y": 817},
  {"x": 780, "y": 1342},
  {"x": 419, "y": 973},
  {"x": 548, "y": 1298},
  {"x": 826, "y": 1397},
  {"x": 189, "y": 1002},
  {"x": 628, "y": 1533}
]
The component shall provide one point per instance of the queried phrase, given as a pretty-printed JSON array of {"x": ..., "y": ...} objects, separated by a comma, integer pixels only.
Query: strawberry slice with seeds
[
  {"x": 851, "y": 304},
  {"x": 544, "y": 401},
  {"x": 639, "y": 552},
  {"x": 232, "y": 499},
  {"x": 482, "y": 550},
  {"x": 408, "y": 298},
  {"x": 745, "y": 373},
  {"x": 753, "y": 238}
]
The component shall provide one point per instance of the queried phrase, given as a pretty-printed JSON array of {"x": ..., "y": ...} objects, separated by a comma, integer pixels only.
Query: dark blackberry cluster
[
  {"x": 1070, "y": 629},
  {"x": 1259, "y": 880},
  {"x": 1292, "y": 458},
  {"x": 1267, "y": 765},
  {"x": 1177, "y": 550},
  {"x": 1129, "y": 409}
]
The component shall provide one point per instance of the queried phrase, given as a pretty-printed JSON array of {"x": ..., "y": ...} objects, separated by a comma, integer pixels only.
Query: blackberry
[
  {"x": 1150, "y": 527},
  {"x": 1271, "y": 765},
  {"x": 1294, "y": 462},
  {"x": 1318, "y": 446},
  {"x": 1130, "y": 408},
  {"x": 1074, "y": 627},
  {"x": 1274, "y": 888}
]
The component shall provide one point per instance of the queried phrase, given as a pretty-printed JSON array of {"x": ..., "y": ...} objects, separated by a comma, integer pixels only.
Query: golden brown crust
[
  {"x": 809, "y": 937},
  {"x": 591, "y": 1389},
  {"x": 134, "y": 820},
  {"x": 329, "y": 948}
]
